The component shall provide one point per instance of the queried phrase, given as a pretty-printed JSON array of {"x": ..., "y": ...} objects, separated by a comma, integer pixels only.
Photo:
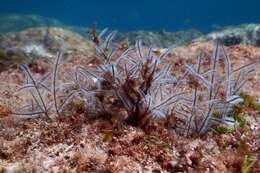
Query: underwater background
[
  {"x": 118, "y": 86},
  {"x": 153, "y": 15}
]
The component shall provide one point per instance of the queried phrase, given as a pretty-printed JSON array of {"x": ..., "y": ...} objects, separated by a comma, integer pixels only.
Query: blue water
[{"x": 125, "y": 15}]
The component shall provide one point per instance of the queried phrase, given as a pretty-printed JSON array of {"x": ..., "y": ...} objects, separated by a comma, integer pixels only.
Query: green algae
[
  {"x": 250, "y": 101},
  {"x": 240, "y": 118},
  {"x": 247, "y": 164},
  {"x": 222, "y": 129}
]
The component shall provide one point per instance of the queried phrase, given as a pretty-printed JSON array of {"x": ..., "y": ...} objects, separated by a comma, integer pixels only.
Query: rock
[
  {"x": 162, "y": 39},
  {"x": 16, "y": 23},
  {"x": 13, "y": 168},
  {"x": 41, "y": 43},
  {"x": 248, "y": 34}
]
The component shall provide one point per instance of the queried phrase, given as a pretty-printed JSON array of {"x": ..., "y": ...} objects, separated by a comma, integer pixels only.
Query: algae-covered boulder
[
  {"x": 248, "y": 34},
  {"x": 41, "y": 43},
  {"x": 18, "y": 22},
  {"x": 162, "y": 39}
]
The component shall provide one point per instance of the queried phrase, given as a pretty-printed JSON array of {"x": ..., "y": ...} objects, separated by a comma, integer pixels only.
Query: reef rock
[
  {"x": 17, "y": 22},
  {"x": 162, "y": 39},
  {"x": 41, "y": 43},
  {"x": 248, "y": 34}
]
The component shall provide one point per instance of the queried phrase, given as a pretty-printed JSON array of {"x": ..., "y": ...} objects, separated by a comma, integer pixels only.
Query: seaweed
[
  {"x": 127, "y": 86},
  {"x": 248, "y": 162},
  {"x": 139, "y": 86},
  {"x": 34, "y": 87},
  {"x": 5, "y": 111},
  {"x": 240, "y": 118},
  {"x": 109, "y": 134},
  {"x": 40, "y": 90},
  {"x": 222, "y": 84},
  {"x": 222, "y": 130},
  {"x": 250, "y": 101}
]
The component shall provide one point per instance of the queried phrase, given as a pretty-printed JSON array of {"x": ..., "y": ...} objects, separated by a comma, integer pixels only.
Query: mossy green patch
[
  {"x": 248, "y": 162},
  {"x": 238, "y": 110},
  {"x": 222, "y": 129},
  {"x": 250, "y": 101},
  {"x": 80, "y": 106},
  {"x": 217, "y": 114},
  {"x": 240, "y": 119}
]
